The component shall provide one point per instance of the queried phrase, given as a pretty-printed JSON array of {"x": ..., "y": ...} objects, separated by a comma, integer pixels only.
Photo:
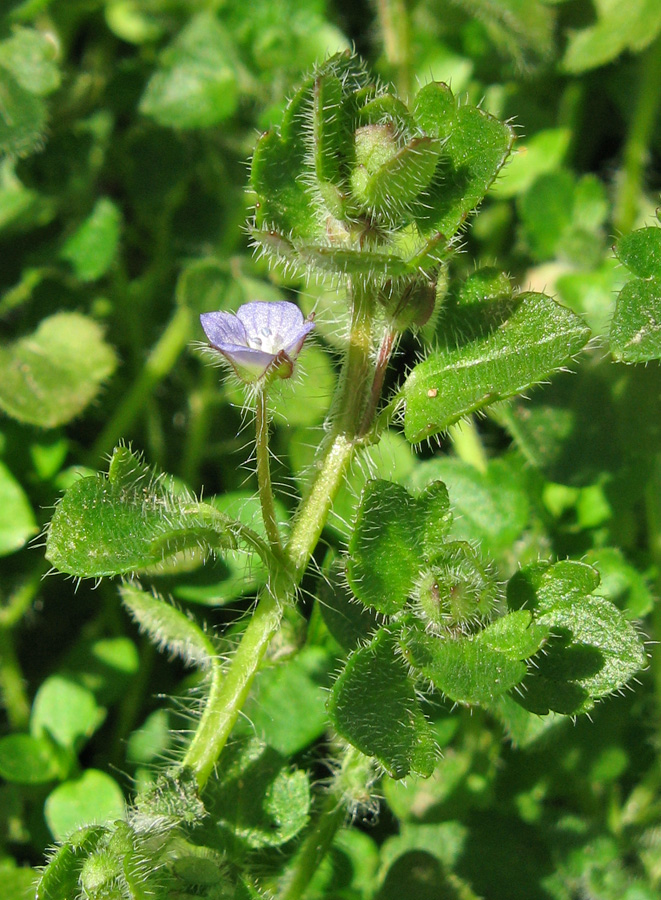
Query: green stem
[
  {"x": 264, "y": 472},
  {"x": 653, "y": 516},
  {"x": 159, "y": 363},
  {"x": 382, "y": 360},
  {"x": 636, "y": 149},
  {"x": 467, "y": 444},
  {"x": 394, "y": 24},
  {"x": 229, "y": 691},
  {"x": 314, "y": 848},
  {"x": 12, "y": 684}
]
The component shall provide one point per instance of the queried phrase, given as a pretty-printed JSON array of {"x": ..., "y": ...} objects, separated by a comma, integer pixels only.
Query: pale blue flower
[{"x": 260, "y": 338}]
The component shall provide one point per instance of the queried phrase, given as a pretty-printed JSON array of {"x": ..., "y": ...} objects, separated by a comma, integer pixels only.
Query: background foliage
[{"x": 125, "y": 127}]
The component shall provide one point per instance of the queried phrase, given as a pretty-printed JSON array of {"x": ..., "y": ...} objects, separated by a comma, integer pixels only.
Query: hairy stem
[
  {"x": 264, "y": 472},
  {"x": 636, "y": 149},
  {"x": 229, "y": 690},
  {"x": 314, "y": 848},
  {"x": 382, "y": 360}
]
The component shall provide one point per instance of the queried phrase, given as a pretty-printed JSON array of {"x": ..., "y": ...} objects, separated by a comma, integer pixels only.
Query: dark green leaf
[
  {"x": 275, "y": 808},
  {"x": 28, "y": 760},
  {"x": 373, "y": 705},
  {"x": 22, "y": 118}
]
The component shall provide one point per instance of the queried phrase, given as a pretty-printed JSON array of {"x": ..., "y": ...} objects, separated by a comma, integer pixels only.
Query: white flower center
[{"x": 266, "y": 340}]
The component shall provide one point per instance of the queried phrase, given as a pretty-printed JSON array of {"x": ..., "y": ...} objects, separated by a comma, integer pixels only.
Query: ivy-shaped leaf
[{"x": 130, "y": 520}]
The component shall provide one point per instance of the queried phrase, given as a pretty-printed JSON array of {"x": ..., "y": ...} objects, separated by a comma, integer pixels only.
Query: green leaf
[
  {"x": 91, "y": 249},
  {"x": 287, "y": 708},
  {"x": 349, "y": 622},
  {"x": 65, "y": 711},
  {"x": 17, "y": 521},
  {"x": 490, "y": 507},
  {"x": 373, "y": 705},
  {"x": 18, "y": 882},
  {"x": 22, "y": 118},
  {"x": 276, "y": 807},
  {"x": 60, "y": 878},
  {"x": 30, "y": 57},
  {"x": 542, "y": 153},
  {"x": 147, "y": 744},
  {"x": 636, "y": 326},
  {"x": 49, "y": 377},
  {"x": 475, "y": 147},
  {"x": 92, "y": 799},
  {"x": 477, "y": 669},
  {"x": 105, "y": 666},
  {"x": 25, "y": 759},
  {"x": 130, "y": 520},
  {"x": 196, "y": 83},
  {"x": 620, "y": 582},
  {"x": 640, "y": 252},
  {"x": 394, "y": 534},
  {"x": 592, "y": 651},
  {"x": 169, "y": 628},
  {"x": 621, "y": 25},
  {"x": 535, "y": 339}
]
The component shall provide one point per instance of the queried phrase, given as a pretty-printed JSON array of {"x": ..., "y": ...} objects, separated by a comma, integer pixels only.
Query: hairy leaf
[
  {"x": 535, "y": 339},
  {"x": 130, "y": 520}
]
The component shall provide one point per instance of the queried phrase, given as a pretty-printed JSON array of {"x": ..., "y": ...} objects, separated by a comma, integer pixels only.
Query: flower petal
[{"x": 224, "y": 329}]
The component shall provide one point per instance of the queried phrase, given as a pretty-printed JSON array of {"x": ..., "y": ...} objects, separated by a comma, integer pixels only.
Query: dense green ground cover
[{"x": 449, "y": 686}]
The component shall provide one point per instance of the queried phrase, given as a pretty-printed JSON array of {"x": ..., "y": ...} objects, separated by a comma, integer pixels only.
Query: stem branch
[{"x": 264, "y": 472}]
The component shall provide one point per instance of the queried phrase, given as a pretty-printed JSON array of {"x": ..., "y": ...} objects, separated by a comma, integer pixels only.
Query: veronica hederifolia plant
[{"x": 368, "y": 194}]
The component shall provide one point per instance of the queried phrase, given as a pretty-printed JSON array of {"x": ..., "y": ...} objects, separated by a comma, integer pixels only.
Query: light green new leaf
[
  {"x": 621, "y": 25},
  {"x": 394, "y": 535},
  {"x": 17, "y": 521},
  {"x": 93, "y": 246},
  {"x": 536, "y": 339},
  {"x": 130, "y": 520},
  {"x": 373, "y": 705},
  {"x": 196, "y": 83},
  {"x": 50, "y": 376}
]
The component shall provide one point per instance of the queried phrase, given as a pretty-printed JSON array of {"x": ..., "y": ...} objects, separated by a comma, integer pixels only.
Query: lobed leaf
[
  {"x": 475, "y": 147},
  {"x": 535, "y": 339},
  {"x": 394, "y": 533},
  {"x": 592, "y": 650},
  {"x": 373, "y": 705},
  {"x": 46, "y": 379},
  {"x": 92, "y": 799},
  {"x": 130, "y": 520},
  {"x": 640, "y": 252},
  {"x": 92, "y": 248}
]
